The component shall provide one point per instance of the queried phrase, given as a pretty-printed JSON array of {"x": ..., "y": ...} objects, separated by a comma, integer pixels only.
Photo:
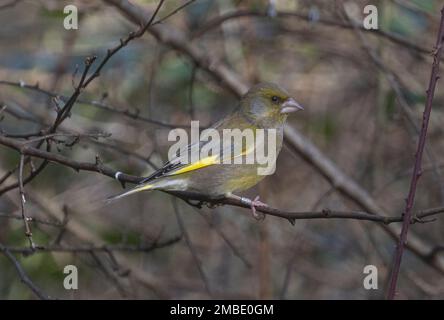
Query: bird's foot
[{"x": 256, "y": 203}]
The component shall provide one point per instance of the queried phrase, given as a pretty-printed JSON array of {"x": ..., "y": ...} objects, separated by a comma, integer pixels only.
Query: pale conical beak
[{"x": 290, "y": 105}]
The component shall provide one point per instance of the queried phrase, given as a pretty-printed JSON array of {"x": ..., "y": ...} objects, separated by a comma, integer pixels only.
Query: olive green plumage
[{"x": 265, "y": 106}]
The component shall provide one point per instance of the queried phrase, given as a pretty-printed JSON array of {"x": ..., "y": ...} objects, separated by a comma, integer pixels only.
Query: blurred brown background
[{"x": 360, "y": 114}]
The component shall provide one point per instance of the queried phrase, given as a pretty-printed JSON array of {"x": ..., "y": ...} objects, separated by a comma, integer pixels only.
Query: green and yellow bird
[{"x": 264, "y": 106}]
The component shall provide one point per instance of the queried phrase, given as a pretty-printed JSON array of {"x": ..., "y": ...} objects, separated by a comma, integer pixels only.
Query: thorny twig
[{"x": 408, "y": 211}]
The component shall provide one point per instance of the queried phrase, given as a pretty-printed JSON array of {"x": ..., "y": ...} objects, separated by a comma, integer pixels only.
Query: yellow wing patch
[{"x": 205, "y": 162}]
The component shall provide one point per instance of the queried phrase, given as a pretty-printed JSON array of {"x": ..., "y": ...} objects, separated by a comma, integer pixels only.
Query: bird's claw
[{"x": 256, "y": 203}]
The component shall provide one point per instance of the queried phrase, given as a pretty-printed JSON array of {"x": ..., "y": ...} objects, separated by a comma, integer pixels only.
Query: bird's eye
[{"x": 275, "y": 99}]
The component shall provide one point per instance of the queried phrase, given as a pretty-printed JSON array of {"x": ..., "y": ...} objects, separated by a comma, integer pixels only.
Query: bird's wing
[{"x": 227, "y": 151}]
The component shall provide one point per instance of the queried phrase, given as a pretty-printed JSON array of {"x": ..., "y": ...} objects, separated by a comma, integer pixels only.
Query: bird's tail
[{"x": 138, "y": 188}]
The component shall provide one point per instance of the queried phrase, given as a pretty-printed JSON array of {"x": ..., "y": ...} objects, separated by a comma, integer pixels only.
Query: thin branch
[
  {"x": 111, "y": 146},
  {"x": 176, "y": 39},
  {"x": 436, "y": 250},
  {"x": 29, "y": 178},
  {"x": 347, "y": 186},
  {"x": 332, "y": 214},
  {"x": 161, "y": 20},
  {"x": 217, "y": 21},
  {"x": 28, "y": 232},
  {"x": 63, "y": 113},
  {"x": 288, "y": 272},
  {"x": 97, "y": 166},
  {"x": 93, "y": 248},
  {"x": 135, "y": 115},
  {"x": 296, "y": 141},
  {"x": 123, "y": 42},
  {"x": 9, "y": 4},
  {"x": 64, "y": 223},
  {"x": 110, "y": 275},
  {"x": 76, "y": 136},
  {"x": 31, "y": 219},
  {"x": 191, "y": 246},
  {"x": 408, "y": 211},
  {"x": 22, "y": 274},
  {"x": 8, "y": 174}
]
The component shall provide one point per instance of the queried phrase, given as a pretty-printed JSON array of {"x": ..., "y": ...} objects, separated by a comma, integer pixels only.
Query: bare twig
[
  {"x": 176, "y": 39},
  {"x": 94, "y": 140},
  {"x": 234, "y": 249},
  {"x": 436, "y": 250},
  {"x": 67, "y": 135},
  {"x": 94, "y": 248},
  {"x": 23, "y": 276},
  {"x": 26, "y": 180},
  {"x": 64, "y": 223},
  {"x": 8, "y": 174},
  {"x": 30, "y": 219},
  {"x": 408, "y": 211},
  {"x": 28, "y": 232},
  {"x": 217, "y": 21},
  {"x": 291, "y": 216},
  {"x": 76, "y": 165},
  {"x": 94, "y": 103},
  {"x": 84, "y": 235},
  {"x": 397, "y": 87},
  {"x": 123, "y": 42},
  {"x": 63, "y": 113},
  {"x": 9, "y": 4},
  {"x": 296, "y": 141},
  {"x": 161, "y": 20},
  {"x": 191, "y": 246}
]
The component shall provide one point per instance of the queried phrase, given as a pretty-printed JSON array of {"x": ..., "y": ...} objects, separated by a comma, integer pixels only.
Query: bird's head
[{"x": 268, "y": 103}]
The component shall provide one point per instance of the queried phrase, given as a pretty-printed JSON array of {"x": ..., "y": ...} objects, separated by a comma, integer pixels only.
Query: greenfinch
[{"x": 265, "y": 106}]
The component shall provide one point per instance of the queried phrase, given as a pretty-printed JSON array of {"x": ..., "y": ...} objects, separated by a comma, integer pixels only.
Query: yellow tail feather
[{"x": 136, "y": 189}]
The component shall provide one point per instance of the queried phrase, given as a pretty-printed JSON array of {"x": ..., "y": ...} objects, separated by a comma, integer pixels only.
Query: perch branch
[{"x": 99, "y": 167}]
